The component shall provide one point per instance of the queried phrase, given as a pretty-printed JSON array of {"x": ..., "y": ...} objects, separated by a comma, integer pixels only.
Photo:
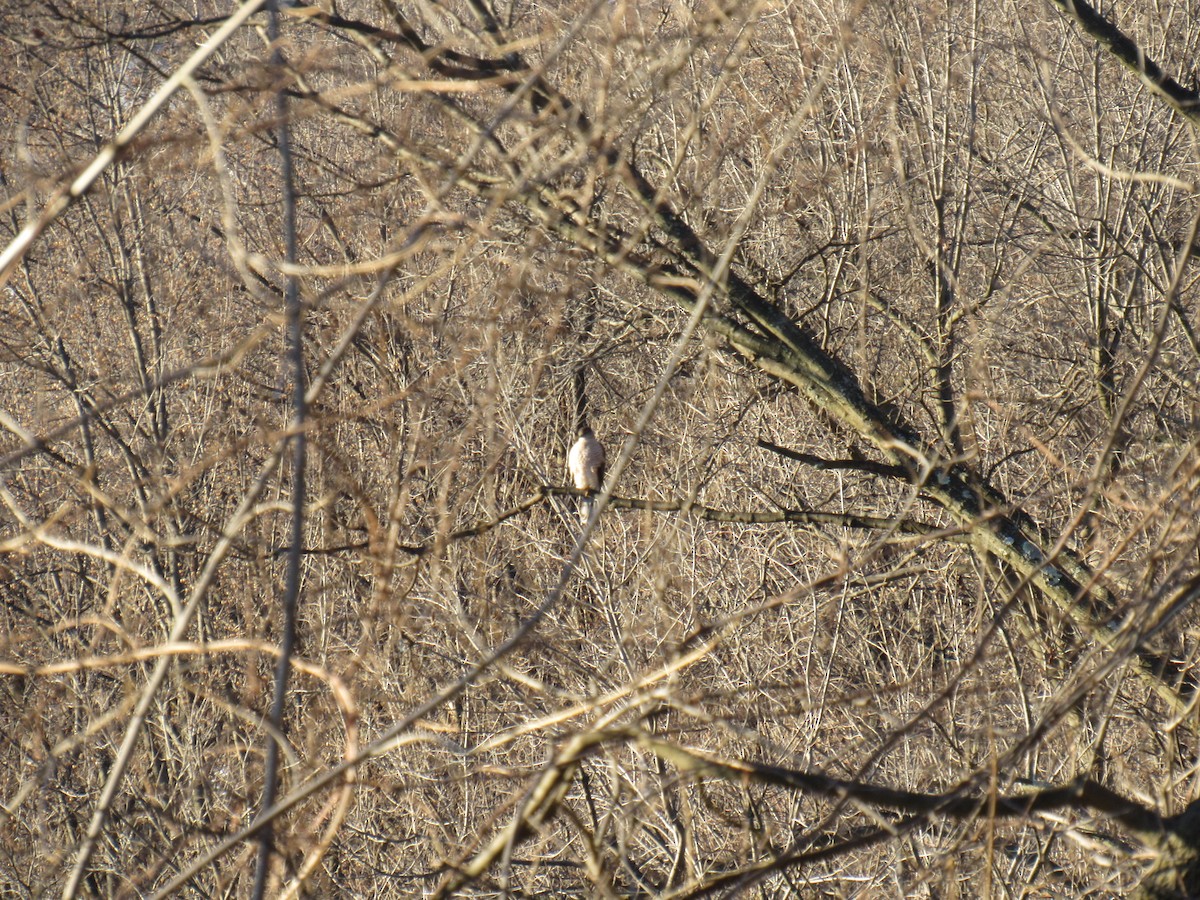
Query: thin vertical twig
[{"x": 294, "y": 361}]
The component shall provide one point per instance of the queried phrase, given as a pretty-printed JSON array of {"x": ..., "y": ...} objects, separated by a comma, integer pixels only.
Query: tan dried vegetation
[{"x": 887, "y": 315}]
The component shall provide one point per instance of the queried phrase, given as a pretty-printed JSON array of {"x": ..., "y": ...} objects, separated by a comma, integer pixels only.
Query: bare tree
[{"x": 884, "y": 311}]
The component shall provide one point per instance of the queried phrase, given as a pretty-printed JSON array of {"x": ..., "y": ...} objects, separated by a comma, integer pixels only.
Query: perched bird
[{"x": 585, "y": 462}]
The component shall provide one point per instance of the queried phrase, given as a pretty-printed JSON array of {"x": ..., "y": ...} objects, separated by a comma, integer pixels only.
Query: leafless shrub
[{"x": 885, "y": 313}]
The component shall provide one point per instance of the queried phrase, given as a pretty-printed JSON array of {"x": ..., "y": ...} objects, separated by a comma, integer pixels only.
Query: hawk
[{"x": 585, "y": 462}]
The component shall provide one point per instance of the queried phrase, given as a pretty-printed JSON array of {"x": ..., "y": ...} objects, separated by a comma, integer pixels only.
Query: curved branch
[
  {"x": 111, "y": 151},
  {"x": 1184, "y": 101}
]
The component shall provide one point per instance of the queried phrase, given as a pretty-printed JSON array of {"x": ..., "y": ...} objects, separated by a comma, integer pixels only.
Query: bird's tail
[{"x": 585, "y": 510}]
